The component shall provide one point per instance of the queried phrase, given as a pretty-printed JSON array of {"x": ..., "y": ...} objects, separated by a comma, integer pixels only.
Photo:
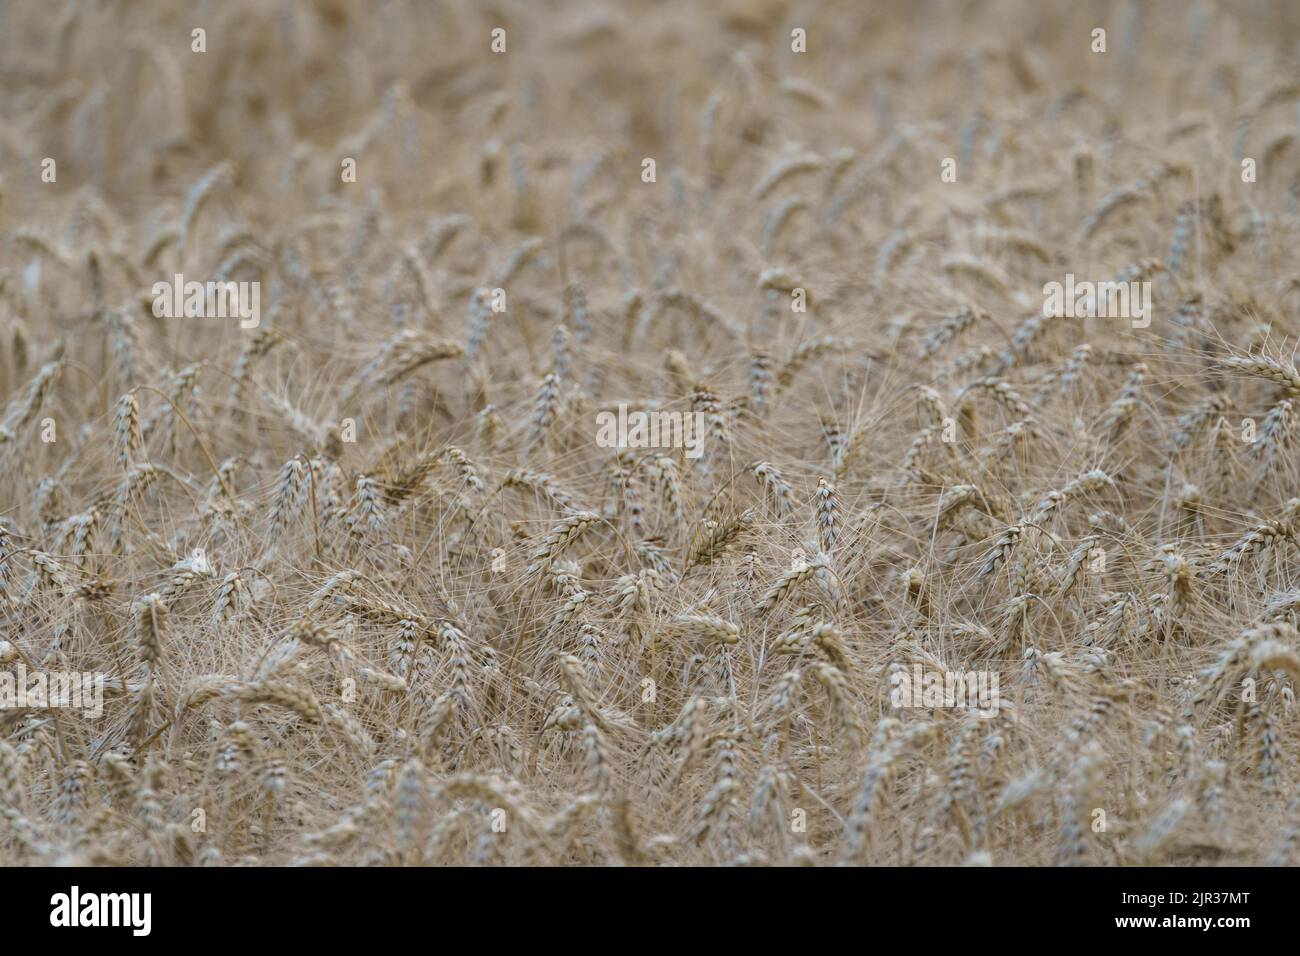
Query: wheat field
[{"x": 360, "y": 583}]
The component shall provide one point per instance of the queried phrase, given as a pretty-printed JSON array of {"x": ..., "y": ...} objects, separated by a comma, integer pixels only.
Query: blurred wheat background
[{"x": 365, "y": 589}]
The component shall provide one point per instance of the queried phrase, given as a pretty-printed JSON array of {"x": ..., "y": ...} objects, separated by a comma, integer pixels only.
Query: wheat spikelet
[{"x": 1270, "y": 369}]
